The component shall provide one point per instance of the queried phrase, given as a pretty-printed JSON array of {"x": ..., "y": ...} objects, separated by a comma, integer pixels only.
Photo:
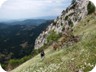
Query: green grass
[
  {"x": 53, "y": 36},
  {"x": 81, "y": 55},
  {"x": 91, "y": 8}
]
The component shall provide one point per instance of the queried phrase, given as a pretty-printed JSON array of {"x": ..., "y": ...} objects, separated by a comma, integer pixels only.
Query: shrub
[
  {"x": 66, "y": 17},
  {"x": 15, "y": 62},
  {"x": 53, "y": 36},
  {"x": 73, "y": 1},
  {"x": 91, "y": 8},
  {"x": 70, "y": 23}
]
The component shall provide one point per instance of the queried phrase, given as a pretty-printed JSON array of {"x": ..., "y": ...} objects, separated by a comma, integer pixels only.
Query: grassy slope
[{"x": 81, "y": 55}]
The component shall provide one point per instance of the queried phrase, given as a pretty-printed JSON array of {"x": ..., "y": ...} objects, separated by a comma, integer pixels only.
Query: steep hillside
[
  {"x": 69, "y": 17},
  {"x": 78, "y": 57}
]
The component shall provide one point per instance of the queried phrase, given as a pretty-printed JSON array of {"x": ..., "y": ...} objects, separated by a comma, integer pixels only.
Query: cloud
[
  {"x": 1, "y": 2},
  {"x": 32, "y": 8}
]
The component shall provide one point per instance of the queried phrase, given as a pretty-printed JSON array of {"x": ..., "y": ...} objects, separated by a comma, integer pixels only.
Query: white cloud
[
  {"x": 32, "y": 8},
  {"x": 1, "y": 2},
  {"x": 26, "y": 4}
]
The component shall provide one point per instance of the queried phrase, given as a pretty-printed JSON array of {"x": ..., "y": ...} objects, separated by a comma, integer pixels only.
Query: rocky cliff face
[{"x": 69, "y": 18}]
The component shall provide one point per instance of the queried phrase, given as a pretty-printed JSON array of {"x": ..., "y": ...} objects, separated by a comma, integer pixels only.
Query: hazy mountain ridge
[{"x": 25, "y": 22}]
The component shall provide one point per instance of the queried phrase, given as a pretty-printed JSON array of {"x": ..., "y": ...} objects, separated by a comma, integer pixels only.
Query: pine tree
[{"x": 73, "y": 1}]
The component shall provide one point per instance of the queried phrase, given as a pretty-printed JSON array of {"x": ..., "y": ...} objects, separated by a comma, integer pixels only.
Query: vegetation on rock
[
  {"x": 91, "y": 8},
  {"x": 53, "y": 36}
]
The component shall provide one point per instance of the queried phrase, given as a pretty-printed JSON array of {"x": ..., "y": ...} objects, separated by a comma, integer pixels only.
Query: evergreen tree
[{"x": 73, "y": 1}]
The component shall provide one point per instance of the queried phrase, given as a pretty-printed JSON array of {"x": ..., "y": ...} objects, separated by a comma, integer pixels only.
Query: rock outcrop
[{"x": 69, "y": 18}]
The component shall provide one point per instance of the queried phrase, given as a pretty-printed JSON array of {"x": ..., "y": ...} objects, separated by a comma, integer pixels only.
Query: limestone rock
[{"x": 69, "y": 17}]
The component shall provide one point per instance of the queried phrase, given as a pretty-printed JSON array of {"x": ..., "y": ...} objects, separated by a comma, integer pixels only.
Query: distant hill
[
  {"x": 17, "y": 41},
  {"x": 26, "y": 22},
  {"x": 48, "y": 17},
  {"x": 3, "y": 26}
]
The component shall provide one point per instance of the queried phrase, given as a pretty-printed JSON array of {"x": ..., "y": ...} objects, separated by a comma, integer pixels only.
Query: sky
[
  {"x": 26, "y": 9},
  {"x": 20, "y": 9},
  {"x": 94, "y": 1}
]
